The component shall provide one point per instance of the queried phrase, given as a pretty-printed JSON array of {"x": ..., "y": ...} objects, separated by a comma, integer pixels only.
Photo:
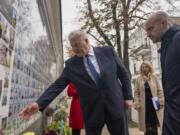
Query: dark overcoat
[{"x": 170, "y": 63}]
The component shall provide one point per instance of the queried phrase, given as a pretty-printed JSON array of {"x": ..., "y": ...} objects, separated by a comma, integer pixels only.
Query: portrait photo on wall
[
  {"x": 0, "y": 88},
  {"x": 4, "y": 97},
  {"x": 11, "y": 40},
  {"x": 4, "y": 122},
  {"x": 1, "y": 24},
  {"x": 5, "y": 29},
  {"x": 5, "y": 54},
  {"x": 6, "y": 80},
  {"x": 6, "y": 7}
]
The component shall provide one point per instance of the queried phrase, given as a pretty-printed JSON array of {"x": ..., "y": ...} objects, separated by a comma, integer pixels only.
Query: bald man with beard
[{"x": 160, "y": 28}]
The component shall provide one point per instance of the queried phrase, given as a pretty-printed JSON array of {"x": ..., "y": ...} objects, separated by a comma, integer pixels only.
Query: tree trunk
[
  {"x": 126, "y": 57},
  {"x": 126, "y": 46},
  {"x": 117, "y": 28}
]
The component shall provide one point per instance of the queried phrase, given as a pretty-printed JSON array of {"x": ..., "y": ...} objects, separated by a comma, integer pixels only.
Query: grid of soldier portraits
[{"x": 25, "y": 66}]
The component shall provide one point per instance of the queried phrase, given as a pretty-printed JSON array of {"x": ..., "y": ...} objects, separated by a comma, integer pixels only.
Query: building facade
[{"x": 31, "y": 57}]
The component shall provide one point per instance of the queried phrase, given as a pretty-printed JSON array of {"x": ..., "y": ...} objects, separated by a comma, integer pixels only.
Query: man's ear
[
  {"x": 87, "y": 41},
  {"x": 164, "y": 23}
]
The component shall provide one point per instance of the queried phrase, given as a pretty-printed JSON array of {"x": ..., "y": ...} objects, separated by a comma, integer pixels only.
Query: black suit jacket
[
  {"x": 108, "y": 94},
  {"x": 170, "y": 64}
]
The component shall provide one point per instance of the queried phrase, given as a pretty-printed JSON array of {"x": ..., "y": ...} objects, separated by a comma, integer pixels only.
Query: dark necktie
[{"x": 92, "y": 69}]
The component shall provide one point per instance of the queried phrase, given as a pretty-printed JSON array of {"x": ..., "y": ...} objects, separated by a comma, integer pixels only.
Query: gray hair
[
  {"x": 78, "y": 33},
  {"x": 161, "y": 16}
]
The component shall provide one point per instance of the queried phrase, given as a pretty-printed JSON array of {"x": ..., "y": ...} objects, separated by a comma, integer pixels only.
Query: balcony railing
[{"x": 142, "y": 50}]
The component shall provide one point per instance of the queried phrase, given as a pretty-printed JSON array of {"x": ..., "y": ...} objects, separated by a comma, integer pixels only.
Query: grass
[{"x": 133, "y": 124}]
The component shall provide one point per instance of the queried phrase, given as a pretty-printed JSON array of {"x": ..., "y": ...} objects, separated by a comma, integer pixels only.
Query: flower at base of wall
[{"x": 29, "y": 133}]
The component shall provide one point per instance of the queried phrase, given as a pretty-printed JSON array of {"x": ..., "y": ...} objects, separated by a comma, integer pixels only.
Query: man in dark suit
[
  {"x": 102, "y": 84},
  {"x": 159, "y": 28}
]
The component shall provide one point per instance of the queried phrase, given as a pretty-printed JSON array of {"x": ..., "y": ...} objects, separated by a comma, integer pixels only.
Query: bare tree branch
[
  {"x": 136, "y": 6},
  {"x": 95, "y": 37},
  {"x": 117, "y": 28},
  {"x": 96, "y": 24}
]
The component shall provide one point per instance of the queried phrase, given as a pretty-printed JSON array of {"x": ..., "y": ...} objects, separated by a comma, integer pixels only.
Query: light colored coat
[{"x": 139, "y": 99}]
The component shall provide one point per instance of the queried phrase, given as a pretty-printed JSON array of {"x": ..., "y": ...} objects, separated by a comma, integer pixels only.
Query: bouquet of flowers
[{"x": 29, "y": 133}]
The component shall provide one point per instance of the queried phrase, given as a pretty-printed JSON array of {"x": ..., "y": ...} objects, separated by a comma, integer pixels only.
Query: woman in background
[
  {"x": 147, "y": 88},
  {"x": 75, "y": 117}
]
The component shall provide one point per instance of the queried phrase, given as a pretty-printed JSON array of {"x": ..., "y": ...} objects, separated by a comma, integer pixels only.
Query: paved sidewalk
[
  {"x": 135, "y": 131},
  {"x": 132, "y": 131}
]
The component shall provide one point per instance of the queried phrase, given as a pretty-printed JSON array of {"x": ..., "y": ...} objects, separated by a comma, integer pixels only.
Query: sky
[
  {"x": 69, "y": 16},
  {"x": 37, "y": 24}
]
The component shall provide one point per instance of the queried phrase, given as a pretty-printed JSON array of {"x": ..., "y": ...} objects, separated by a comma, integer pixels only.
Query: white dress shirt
[{"x": 93, "y": 59}]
